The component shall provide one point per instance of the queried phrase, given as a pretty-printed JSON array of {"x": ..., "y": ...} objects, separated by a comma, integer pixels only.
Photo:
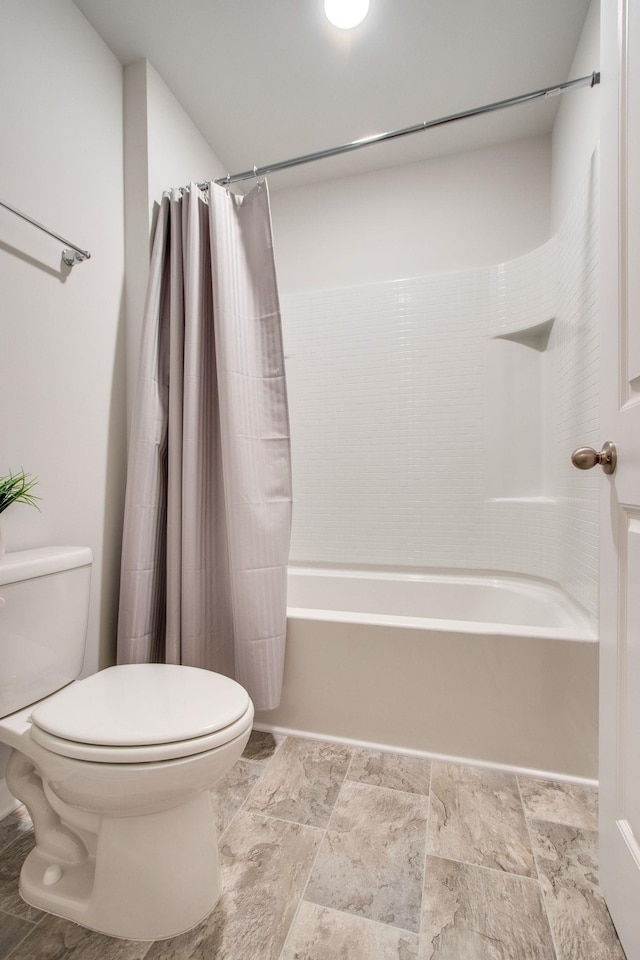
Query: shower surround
[
  {"x": 414, "y": 403},
  {"x": 432, "y": 425}
]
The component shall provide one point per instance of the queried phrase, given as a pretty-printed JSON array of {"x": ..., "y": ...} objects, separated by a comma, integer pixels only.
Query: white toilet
[{"x": 115, "y": 770}]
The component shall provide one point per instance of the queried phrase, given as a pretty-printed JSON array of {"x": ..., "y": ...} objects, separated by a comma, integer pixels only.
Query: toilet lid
[{"x": 142, "y": 704}]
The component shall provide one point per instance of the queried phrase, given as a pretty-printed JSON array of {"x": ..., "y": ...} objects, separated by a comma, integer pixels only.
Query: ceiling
[{"x": 265, "y": 80}]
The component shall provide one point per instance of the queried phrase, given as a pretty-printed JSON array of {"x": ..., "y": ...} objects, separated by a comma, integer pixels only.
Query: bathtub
[{"x": 491, "y": 669}]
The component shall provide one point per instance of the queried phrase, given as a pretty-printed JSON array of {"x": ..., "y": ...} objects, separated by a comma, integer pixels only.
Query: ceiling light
[{"x": 346, "y": 13}]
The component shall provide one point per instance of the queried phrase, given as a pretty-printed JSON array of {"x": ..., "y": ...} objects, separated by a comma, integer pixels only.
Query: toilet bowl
[{"x": 116, "y": 769}]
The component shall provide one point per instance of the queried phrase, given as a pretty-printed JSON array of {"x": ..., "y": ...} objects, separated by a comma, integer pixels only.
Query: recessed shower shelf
[
  {"x": 515, "y": 362},
  {"x": 535, "y": 336}
]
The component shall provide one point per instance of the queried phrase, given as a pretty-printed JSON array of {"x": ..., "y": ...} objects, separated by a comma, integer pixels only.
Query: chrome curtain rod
[
  {"x": 590, "y": 80},
  {"x": 69, "y": 256}
]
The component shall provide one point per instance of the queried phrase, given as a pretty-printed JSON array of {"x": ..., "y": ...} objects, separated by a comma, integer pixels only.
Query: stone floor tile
[
  {"x": 265, "y": 866},
  {"x": 12, "y": 931},
  {"x": 301, "y": 782},
  {"x": 230, "y": 793},
  {"x": 480, "y": 914},
  {"x": 11, "y": 828},
  {"x": 391, "y": 770},
  {"x": 477, "y": 817},
  {"x": 567, "y": 859},
  {"x": 58, "y": 939},
  {"x": 322, "y": 934},
  {"x": 362, "y": 901},
  {"x": 572, "y": 804},
  {"x": 11, "y": 862},
  {"x": 371, "y": 860},
  {"x": 262, "y": 745}
]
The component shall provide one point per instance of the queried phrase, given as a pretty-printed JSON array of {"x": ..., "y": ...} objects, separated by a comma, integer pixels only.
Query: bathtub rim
[
  {"x": 401, "y": 572},
  {"x": 481, "y": 628},
  {"x": 582, "y": 630}
]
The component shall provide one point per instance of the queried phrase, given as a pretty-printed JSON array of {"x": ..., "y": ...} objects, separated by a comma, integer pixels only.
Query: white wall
[
  {"x": 62, "y": 339},
  {"x": 163, "y": 149},
  {"x": 577, "y": 127},
  {"x": 458, "y": 212}
]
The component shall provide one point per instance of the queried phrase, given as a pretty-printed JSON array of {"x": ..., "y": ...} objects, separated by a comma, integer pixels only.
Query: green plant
[{"x": 16, "y": 488}]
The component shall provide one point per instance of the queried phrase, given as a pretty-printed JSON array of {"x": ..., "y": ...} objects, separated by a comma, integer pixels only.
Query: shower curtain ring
[
  {"x": 227, "y": 181},
  {"x": 255, "y": 173}
]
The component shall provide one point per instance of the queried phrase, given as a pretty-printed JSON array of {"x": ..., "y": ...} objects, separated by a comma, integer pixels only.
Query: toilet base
[{"x": 123, "y": 890}]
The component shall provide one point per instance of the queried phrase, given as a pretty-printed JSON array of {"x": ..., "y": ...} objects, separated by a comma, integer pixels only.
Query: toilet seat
[
  {"x": 142, "y": 713},
  {"x": 143, "y": 754}
]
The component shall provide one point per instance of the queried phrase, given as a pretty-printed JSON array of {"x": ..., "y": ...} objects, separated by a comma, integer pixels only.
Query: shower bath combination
[
  {"x": 447, "y": 605},
  {"x": 474, "y": 667}
]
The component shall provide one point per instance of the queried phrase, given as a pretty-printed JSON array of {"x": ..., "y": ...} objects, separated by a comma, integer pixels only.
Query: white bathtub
[{"x": 494, "y": 669}]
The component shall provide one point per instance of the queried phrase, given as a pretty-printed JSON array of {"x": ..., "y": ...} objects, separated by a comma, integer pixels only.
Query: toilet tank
[{"x": 44, "y": 606}]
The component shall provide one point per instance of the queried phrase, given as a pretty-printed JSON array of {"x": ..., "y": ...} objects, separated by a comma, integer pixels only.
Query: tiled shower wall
[
  {"x": 392, "y": 410},
  {"x": 576, "y": 394}
]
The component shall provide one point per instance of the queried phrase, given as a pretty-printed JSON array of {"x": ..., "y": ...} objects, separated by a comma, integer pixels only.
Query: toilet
[{"x": 116, "y": 769}]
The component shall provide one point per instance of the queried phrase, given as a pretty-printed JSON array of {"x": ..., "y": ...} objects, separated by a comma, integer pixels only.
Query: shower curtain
[{"x": 208, "y": 503}]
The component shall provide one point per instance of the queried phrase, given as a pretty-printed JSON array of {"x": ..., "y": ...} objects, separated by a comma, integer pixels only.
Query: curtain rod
[
  {"x": 591, "y": 80},
  {"x": 74, "y": 255}
]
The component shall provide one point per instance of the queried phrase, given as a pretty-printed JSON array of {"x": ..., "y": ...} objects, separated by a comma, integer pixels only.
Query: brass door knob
[{"x": 584, "y": 458}]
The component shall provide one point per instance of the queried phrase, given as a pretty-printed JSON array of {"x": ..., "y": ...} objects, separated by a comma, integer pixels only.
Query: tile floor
[{"x": 334, "y": 853}]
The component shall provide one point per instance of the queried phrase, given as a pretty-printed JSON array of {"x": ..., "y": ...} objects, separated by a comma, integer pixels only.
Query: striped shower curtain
[{"x": 208, "y": 503}]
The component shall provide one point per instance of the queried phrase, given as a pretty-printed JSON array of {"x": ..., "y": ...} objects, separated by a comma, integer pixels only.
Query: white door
[{"x": 620, "y": 515}]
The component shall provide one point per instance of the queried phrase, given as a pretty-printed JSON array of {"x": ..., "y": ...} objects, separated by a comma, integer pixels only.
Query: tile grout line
[
  {"x": 26, "y": 936},
  {"x": 238, "y": 811},
  {"x": 394, "y": 791},
  {"x": 424, "y": 869},
  {"x": 16, "y": 916},
  {"x": 324, "y": 834},
  {"x": 483, "y": 866},
  {"x": 34, "y": 924},
  {"x": 264, "y": 764},
  {"x": 535, "y": 863},
  {"x": 269, "y": 816},
  {"x": 151, "y": 944},
  {"x": 242, "y": 806}
]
